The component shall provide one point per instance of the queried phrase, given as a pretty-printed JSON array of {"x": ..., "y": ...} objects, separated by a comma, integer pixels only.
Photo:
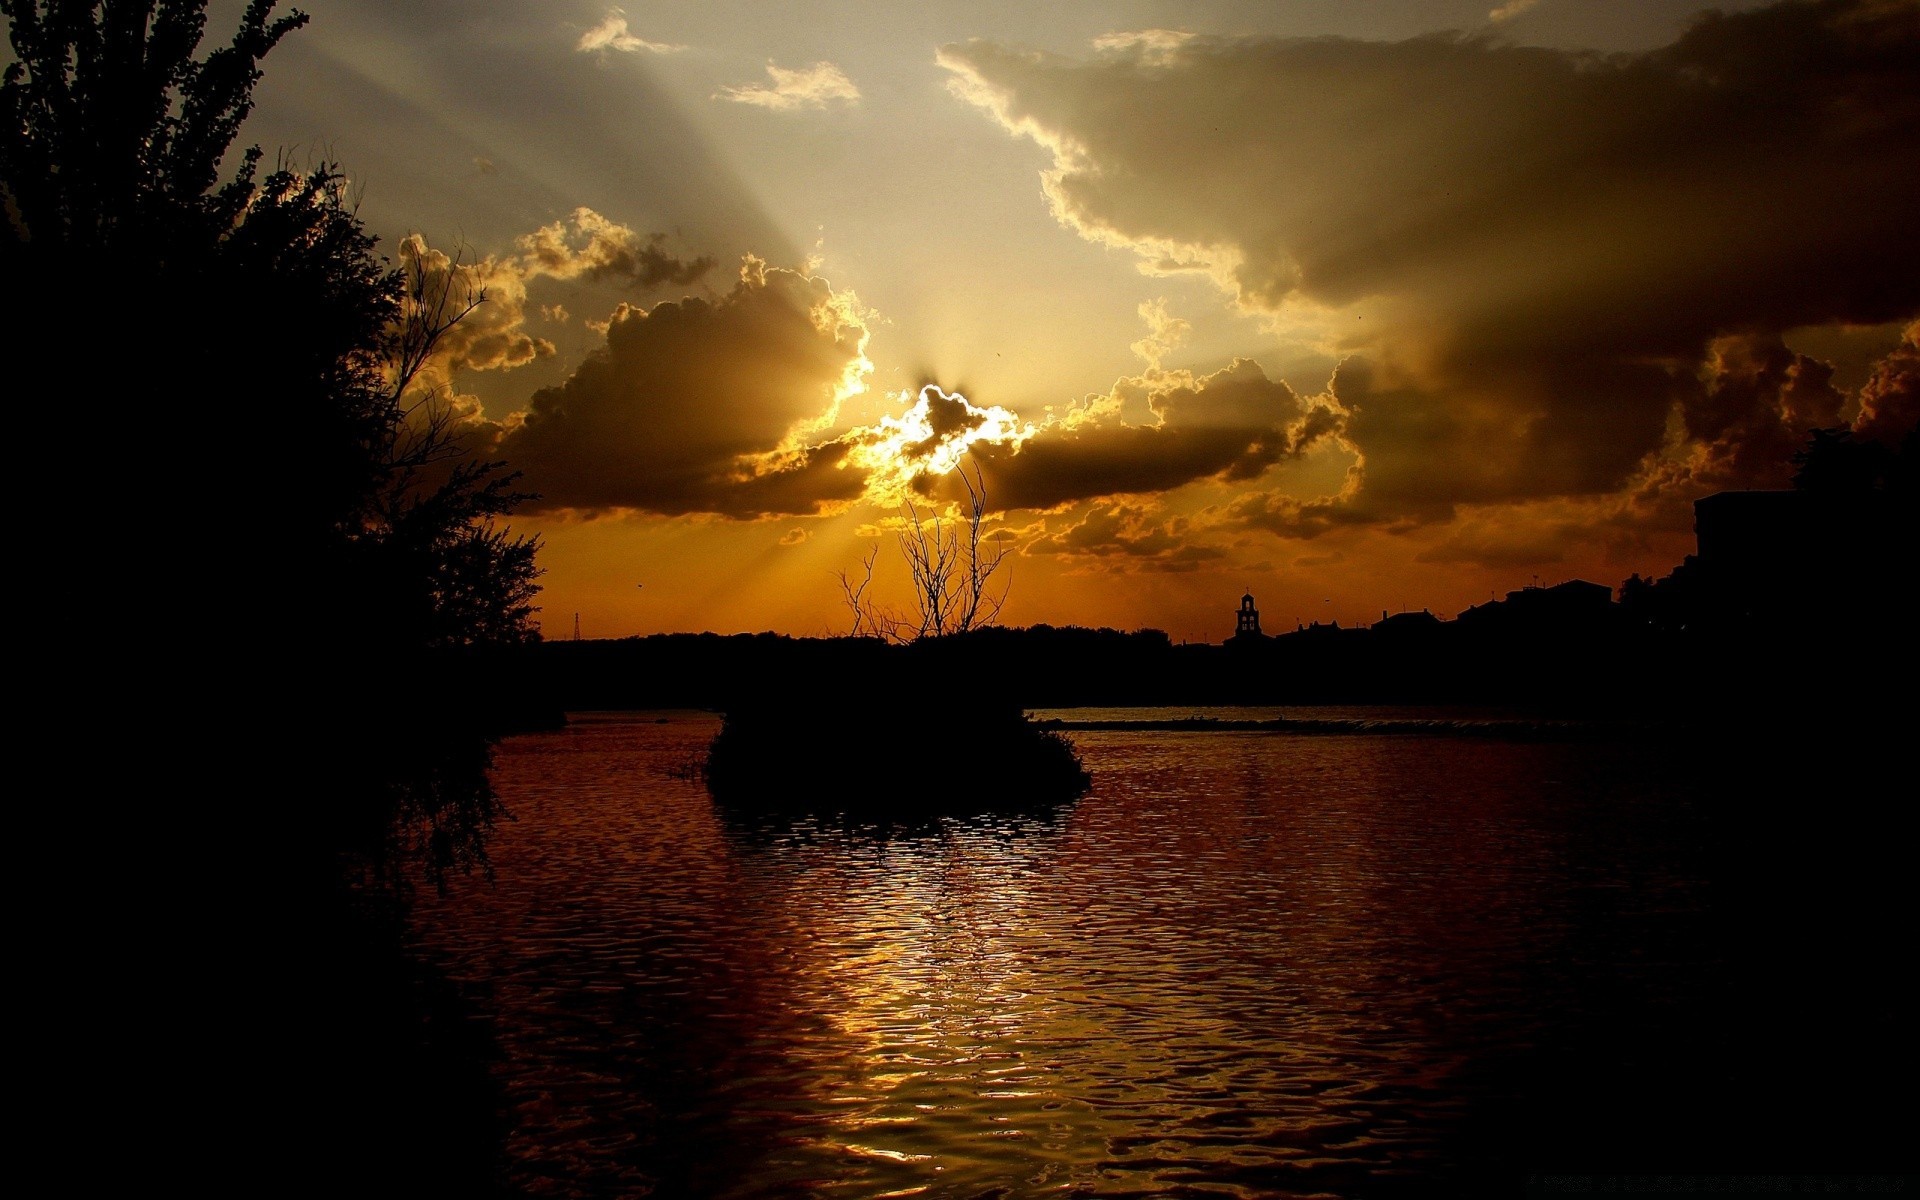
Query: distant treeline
[{"x": 1601, "y": 657}]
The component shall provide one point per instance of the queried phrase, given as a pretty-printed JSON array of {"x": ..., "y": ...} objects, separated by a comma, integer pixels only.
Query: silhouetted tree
[
  {"x": 245, "y": 364},
  {"x": 951, "y": 564},
  {"x": 280, "y": 573},
  {"x": 1837, "y": 463},
  {"x": 871, "y": 619}
]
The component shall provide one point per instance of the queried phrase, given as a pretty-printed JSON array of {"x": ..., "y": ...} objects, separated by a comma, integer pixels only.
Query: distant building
[
  {"x": 1312, "y": 630},
  {"x": 1563, "y": 606},
  {"x": 1407, "y": 624},
  {"x": 1247, "y": 620}
]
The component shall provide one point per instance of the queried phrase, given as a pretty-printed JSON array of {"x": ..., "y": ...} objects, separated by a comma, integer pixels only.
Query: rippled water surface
[{"x": 1244, "y": 964}]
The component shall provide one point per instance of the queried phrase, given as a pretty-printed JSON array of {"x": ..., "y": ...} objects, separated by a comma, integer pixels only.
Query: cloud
[
  {"x": 1737, "y": 423},
  {"x": 1550, "y": 250},
  {"x": 731, "y": 407},
  {"x": 1754, "y": 405},
  {"x": 1154, "y": 46},
  {"x": 1890, "y": 400},
  {"x": 703, "y": 406},
  {"x": 1291, "y": 517},
  {"x": 1165, "y": 333},
  {"x": 1231, "y": 425},
  {"x": 492, "y": 336},
  {"x": 905, "y": 453},
  {"x": 1129, "y": 538},
  {"x": 807, "y": 87},
  {"x": 596, "y": 248},
  {"x": 1510, "y": 10},
  {"x": 611, "y": 34}
]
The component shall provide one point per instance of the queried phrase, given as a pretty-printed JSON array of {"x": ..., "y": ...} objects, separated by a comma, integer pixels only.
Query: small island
[{"x": 897, "y": 730}]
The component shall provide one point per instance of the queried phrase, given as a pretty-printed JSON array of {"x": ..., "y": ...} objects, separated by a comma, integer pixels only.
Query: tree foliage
[
  {"x": 1837, "y": 463},
  {"x": 240, "y": 391},
  {"x": 114, "y": 133},
  {"x": 286, "y": 597}
]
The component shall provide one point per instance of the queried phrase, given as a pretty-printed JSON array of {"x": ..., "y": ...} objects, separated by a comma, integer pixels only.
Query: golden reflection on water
[
  {"x": 1035, "y": 1004},
  {"x": 1242, "y": 964},
  {"x": 930, "y": 983}
]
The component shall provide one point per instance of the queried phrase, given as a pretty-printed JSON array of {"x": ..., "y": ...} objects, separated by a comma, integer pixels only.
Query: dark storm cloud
[
  {"x": 1550, "y": 248},
  {"x": 1230, "y": 425},
  {"x": 1514, "y": 434},
  {"x": 1290, "y": 517},
  {"x": 692, "y": 407},
  {"x": 1741, "y": 420},
  {"x": 1753, "y": 407},
  {"x": 1890, "y": 401}
]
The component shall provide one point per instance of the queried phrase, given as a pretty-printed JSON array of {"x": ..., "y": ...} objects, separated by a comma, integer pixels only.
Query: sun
[{"x": 930, "y": 437}]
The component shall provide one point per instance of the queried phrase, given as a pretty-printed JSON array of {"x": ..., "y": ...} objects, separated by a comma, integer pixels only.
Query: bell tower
[{"x": 1247, "y": 624}]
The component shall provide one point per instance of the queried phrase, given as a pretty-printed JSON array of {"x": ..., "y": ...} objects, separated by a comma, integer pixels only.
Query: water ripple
[{"x": 1240, "y": 966}]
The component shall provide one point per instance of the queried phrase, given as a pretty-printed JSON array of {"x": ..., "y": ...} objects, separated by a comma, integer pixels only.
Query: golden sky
[{"x": 1358, "y": 306}]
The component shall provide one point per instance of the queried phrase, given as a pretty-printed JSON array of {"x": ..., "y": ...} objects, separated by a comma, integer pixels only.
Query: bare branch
[
  {"x": 428, "y": 309},
  {"x": 854, "y": 596},
  {"x": 870, "y": 619},
  {"x": 952, "y": 573}
]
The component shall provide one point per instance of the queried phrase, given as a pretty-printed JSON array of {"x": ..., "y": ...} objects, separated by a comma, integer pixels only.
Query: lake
[{"x": 1366, "y": 962}]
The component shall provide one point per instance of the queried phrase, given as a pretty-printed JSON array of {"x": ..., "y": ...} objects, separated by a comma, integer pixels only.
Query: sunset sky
[{"x": 1361, "y": 306}]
